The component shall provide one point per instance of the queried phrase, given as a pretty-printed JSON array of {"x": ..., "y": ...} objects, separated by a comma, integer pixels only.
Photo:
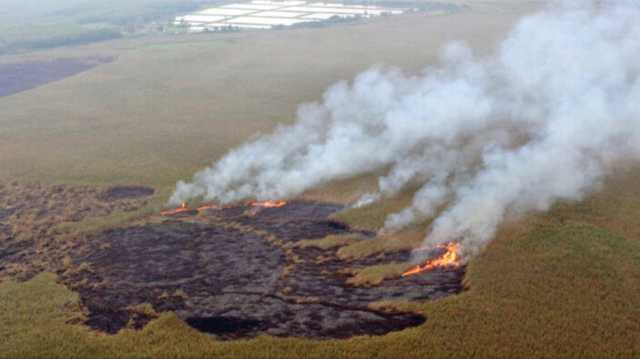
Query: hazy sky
[
  {"x": 32, "y": 11},
  {"x": 21, "y": 9}
]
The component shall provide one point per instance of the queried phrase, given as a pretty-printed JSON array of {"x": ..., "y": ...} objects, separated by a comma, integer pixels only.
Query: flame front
[
  {"x": 450, "y": 258},
  {"x": 268, "y": 204},
  {"x": 205, "y": 207},
  {"x": 183, "y": 208}
]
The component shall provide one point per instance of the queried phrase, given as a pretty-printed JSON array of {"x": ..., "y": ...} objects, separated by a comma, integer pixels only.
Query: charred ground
[
  {"x": 30, "y": 215},
  {"x": 233, "y": 272}
]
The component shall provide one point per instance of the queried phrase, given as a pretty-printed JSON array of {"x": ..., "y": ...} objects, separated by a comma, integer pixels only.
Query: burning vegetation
[
  {"x": 181, "y": 209},
  {"x": 268, "y": 204},
  {"x": 449, "y": 259},
  {"x": 207, "y": 207}
]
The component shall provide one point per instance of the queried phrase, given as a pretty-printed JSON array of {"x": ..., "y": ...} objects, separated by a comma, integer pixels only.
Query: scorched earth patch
[{"x": 232, "y": 272}]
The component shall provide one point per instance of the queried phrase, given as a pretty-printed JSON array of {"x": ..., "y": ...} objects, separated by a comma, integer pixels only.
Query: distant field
[
  {"x": 170, "y": 105},
  {"x": 41, "y": 24},
  {"x": 18, "y": 77}
]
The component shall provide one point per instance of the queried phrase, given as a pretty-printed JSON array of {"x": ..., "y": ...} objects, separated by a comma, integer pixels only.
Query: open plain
[{"x": 90, "y": 266}]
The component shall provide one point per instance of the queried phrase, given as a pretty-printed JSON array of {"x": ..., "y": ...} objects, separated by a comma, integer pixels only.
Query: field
[
  {"x": 168, "y": 106},
  {"x": 35, "y": 25},
  {"x": 560, "y": 284},
  {"x": 266, "y": 15},
  {"x": 24, "y": 76}
]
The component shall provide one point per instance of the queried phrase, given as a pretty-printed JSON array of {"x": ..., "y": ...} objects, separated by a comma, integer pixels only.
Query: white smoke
[{"x": 541, "y": 120}]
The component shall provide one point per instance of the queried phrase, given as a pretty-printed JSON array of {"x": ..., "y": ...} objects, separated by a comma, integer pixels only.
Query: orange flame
[
  {"x": 205, "y": 207},
  {"x": 450, "y": 258},
  {"x": 183, "y": 208},
  {"x": 268, "y": 204}
]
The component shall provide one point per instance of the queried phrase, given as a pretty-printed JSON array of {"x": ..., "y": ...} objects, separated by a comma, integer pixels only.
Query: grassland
[
  {"x": 170, "y": 105},
  {"x": 561, "y": 284}
]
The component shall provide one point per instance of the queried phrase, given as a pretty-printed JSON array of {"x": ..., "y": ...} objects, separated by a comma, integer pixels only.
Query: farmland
[{"x": 262, "y": 14}]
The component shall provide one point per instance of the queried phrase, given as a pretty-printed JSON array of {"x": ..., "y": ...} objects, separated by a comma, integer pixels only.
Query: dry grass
[
  {"x": 144, "y": 309},
  {"x": 372, "y": 216},
  {"x": 404, "y": 240},
  {"x": 133, "y": 121},
  {"x": 331, "y": 241},
  {"x": 117, "y": 218},
  {"x": 374, "y": 275},
  {"x": 560, "y": 290},
  {"x": 561, "y": 284}
]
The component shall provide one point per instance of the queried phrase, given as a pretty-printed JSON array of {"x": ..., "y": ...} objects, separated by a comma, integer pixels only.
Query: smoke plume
[{"x": 484, "y": 139}]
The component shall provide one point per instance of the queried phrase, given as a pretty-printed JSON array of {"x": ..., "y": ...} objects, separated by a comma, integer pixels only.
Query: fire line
[
  {"x": 268, "y": 204},
  {"x": 450, "y": 258},
  {"x": 183, "y": 208}
]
